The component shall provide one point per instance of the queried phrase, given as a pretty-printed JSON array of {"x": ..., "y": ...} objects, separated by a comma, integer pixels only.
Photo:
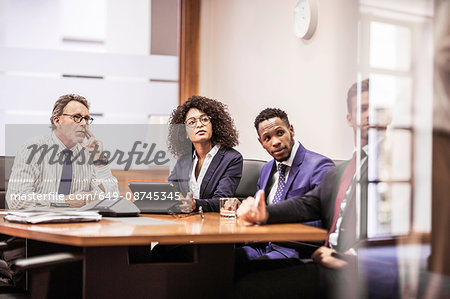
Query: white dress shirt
[
  {"x": 194, "y": 184},
  {"x": 274, "y": 179}
]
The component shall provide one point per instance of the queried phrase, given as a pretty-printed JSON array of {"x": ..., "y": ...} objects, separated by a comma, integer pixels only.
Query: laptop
[{"x": 155, "y": 197}]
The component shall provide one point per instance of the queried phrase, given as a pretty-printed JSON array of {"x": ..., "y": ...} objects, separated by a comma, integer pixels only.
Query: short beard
[{"x": 290, "y": 151}]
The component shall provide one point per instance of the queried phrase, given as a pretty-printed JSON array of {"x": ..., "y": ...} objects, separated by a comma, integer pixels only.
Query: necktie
[
  {"x": 281, "y": 183},
  {"x": 346, "y": 180},
  {"x": 66, "y": 175}
]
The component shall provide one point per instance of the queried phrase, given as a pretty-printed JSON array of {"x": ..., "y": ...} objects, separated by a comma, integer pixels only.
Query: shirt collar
[
  {"x": 210, "y": 154},
  {"x": 75, "y": 149},
  {"x": 291, "y": 158},
  {"x": 365, "y": 149}
]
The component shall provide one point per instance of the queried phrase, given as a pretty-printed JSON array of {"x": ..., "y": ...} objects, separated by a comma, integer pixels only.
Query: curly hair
[
  {"x": 269, "y": 113},
  {"x": 223, "y": 129}
]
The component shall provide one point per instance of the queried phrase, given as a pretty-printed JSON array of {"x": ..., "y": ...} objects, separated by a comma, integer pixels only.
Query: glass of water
[{"x": 228, "y": 207}]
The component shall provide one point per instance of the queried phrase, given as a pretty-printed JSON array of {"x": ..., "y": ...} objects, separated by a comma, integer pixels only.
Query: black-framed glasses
[
  {"x": 78, "y": 118},
  {"x": 192, "y": 122}
]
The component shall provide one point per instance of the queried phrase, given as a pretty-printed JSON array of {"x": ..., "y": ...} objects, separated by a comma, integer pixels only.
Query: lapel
[
  {"x": 347, "y": 237},
  {"x": 266, "y": 175},
  {"x": 334, "y": 190},
  {"x": 183, "y": 179},
  {"x": 211, "y": 170},
  {"x": 295, "y": 169}
]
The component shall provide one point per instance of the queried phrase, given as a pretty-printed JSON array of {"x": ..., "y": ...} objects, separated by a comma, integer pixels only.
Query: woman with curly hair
[{"x": 207, "y": 165}]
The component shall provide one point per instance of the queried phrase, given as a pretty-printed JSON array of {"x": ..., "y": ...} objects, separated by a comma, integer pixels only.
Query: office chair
[
  {"x": 338, "y": 162},
  {"x": 250, "y": 174},
  {"x": 39, "y": 268},
  {"x": 6, "y": 164},
  {"x": 39, "y": 275}
]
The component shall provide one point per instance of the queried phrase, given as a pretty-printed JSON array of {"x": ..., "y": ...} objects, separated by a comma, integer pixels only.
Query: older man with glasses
[{"x": 62, "y": 169}]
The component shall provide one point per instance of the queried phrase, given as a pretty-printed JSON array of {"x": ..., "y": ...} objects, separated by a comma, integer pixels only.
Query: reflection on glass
[
  {"x": 392, "y": 93},
  {"x": 391, "y": 201},
  {"x": 390, "y": 46},
  {"x": 390, "y": 156}
]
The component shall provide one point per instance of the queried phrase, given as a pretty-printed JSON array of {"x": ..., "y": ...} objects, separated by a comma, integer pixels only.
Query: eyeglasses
[
  {"x": 176, "y": 215},
  {"x": 192, "y": 122},
  {"x": 78, "y": 118}
]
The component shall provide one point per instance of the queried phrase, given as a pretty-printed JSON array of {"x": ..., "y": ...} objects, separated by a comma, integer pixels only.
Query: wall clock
[{"x": 305, "y": 18}]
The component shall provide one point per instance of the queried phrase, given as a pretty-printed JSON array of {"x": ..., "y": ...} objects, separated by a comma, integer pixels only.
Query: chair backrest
[
  {"x": 249, "y": 180},
  {"x": 6, "y": 164},
  {"x": 338, "y": 162}
]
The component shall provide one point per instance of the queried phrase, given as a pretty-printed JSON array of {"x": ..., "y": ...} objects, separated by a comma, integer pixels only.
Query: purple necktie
[
  {"x": 281, "y": 183},
  {"x": 66, "y": 175}
]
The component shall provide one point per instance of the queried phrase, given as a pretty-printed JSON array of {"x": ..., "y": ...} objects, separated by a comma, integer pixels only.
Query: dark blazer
[
  {"x": 307, "y": 172},
  {"x": 220, "y": 180},
  {"x": 319, "y": 204}
]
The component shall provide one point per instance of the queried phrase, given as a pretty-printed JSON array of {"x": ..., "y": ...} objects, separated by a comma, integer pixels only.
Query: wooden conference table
[{"x": 108, "y": 271}]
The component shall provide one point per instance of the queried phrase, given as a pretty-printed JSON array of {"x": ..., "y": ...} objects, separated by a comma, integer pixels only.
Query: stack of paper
[{"x": 52, "y": 216}]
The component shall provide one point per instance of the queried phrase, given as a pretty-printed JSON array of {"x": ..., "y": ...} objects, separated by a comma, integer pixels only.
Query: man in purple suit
[{"x": 293, "y": 172}]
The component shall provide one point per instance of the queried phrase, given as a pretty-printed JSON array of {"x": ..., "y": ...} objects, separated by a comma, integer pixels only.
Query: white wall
[
  {"x": 128, "y": 28},
  {"x": 32, "y": 24},
  {"x": 251, "y": 59}
]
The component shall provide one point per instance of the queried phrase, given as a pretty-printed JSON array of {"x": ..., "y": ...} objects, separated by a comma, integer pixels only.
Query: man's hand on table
[{"x": 253, "y": 211}]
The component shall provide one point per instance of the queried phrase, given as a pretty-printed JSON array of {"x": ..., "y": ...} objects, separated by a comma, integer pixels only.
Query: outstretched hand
[{"x": 253, "y": 211}]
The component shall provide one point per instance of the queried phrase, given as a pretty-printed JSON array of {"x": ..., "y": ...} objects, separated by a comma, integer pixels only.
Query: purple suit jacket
[
  {"x": 220, "y": 180},
  {"x": 307, "y": 172}
]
